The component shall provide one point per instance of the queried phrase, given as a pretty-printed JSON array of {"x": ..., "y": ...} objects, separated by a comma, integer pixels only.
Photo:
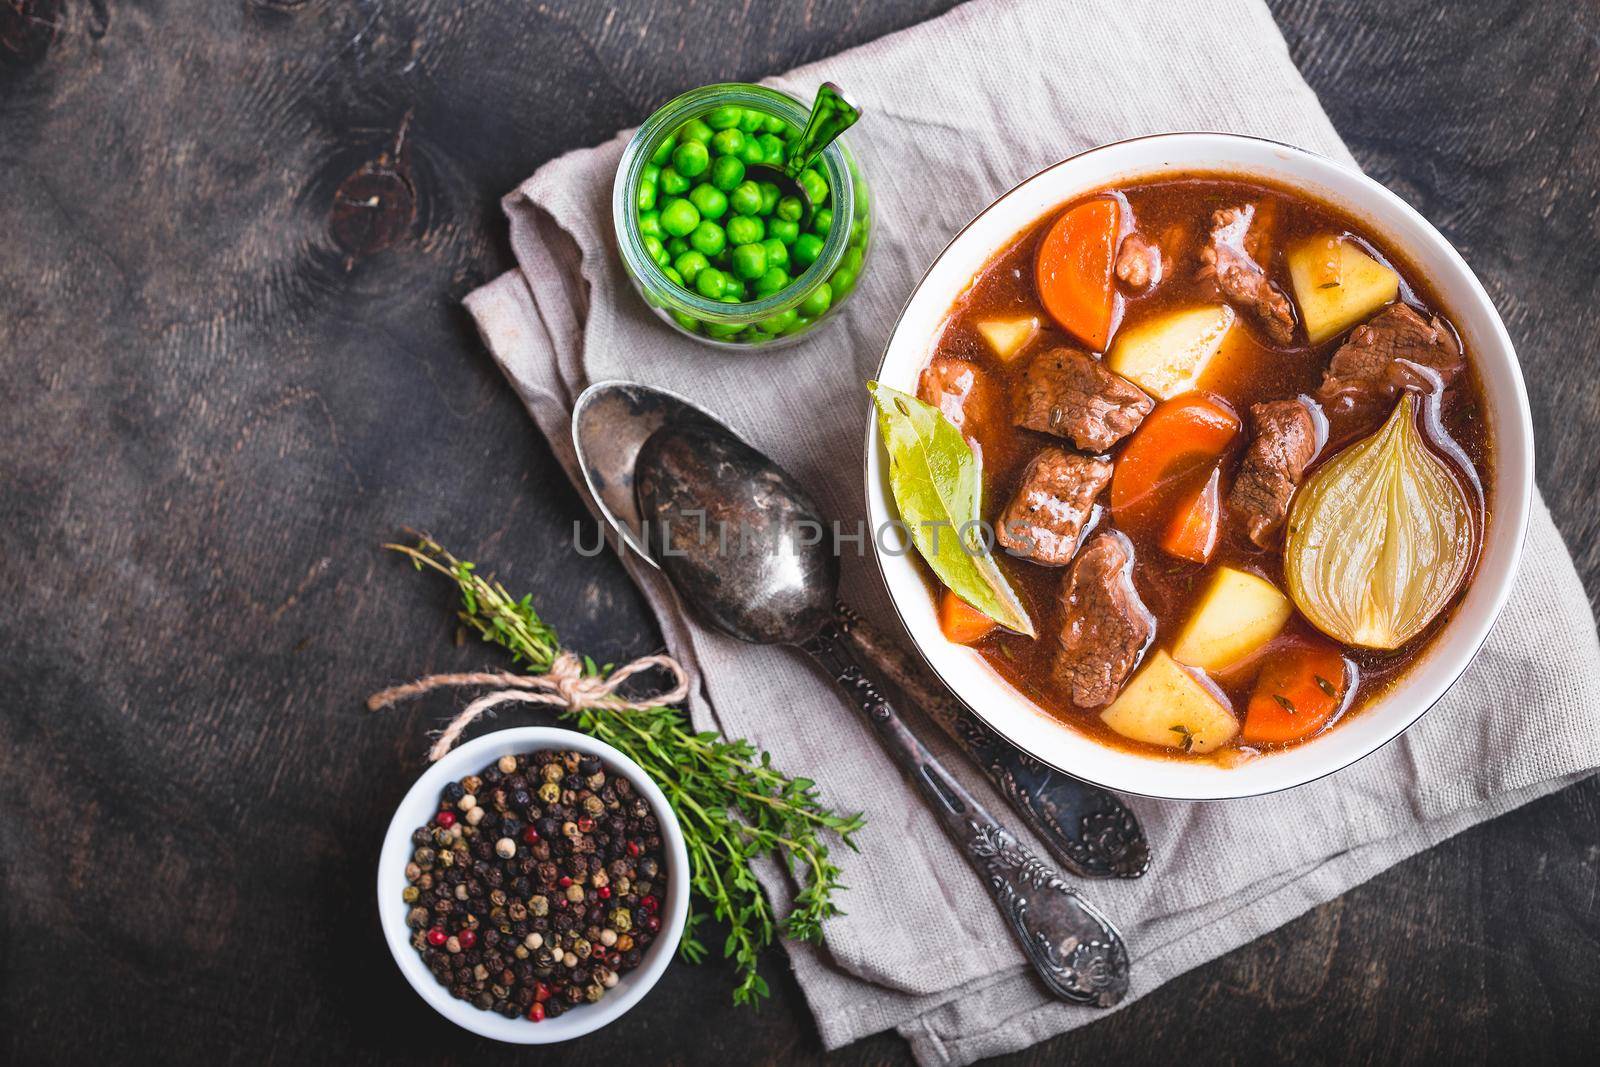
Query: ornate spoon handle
[
  {"x": 1074, "y": 949},
  {"x": 1092, "y": 832}
]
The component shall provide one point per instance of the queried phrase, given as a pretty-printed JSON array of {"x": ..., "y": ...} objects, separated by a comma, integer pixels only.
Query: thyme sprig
[{"x": 735, "y": 807}]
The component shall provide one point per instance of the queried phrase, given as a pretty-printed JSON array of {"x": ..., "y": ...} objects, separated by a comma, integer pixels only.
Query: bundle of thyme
[{"x": 733, "y": 805}]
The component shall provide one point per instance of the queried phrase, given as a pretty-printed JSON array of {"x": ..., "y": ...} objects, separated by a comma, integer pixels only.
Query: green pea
[
  {"x": 842, "y": 282},
  {"x": 645, "y": 198},
  {"x": 749, "y": 261},
  {"x": 672, "y": 275},
  {"x": 774, "y": 124},
  {"x": 650, "y": 223},
  {"x": 751, "y": 121},
  {"x": 852, "y": 261},
  {"x": 784, "y": 230},
  {"x": 677, "y": 246},
  {"x": 708, "y": 238},
  {"x": 807, "y": 247},
  {"x": 733, "y": 291},
  {"x": 772, "y": 148},
  {"x": 710, "y": 283},
  {"x": 817, "y": 301},
  {"x": 653, "y": 247},
  {"x": 662, "y": 153},
  {"x": 691, "y": 159},
  {"x": 751, "y": 152},
  {"x": 725, "y": 117},
  {"x": 814, "y": 184},
  {"x": 727, "y": 143},
  {"x": 822, "y": 220},
  {"x": 745, "y": 198},
  {"x": 688, "y": 322},
  {"x": 744, "y": 230},
  {"x": 694, "y": 130},
  {"x": 779, "y": 322},
  {"x": 777, "y": 252},
  {"x": 679, "y": 216},
  {"x": 690, "y": 264},
  {"x": 727, "y": 172},
  {"x": 673, "y": 183},
  {"x": 858, "y": 232},
  {"x": 773, "y": 280},
  {"x": 724, "y": 331},
  {"x": 790, "y": 208},
  {"x": 769, "y": 197},
  {"x": 711, "y": 202}
]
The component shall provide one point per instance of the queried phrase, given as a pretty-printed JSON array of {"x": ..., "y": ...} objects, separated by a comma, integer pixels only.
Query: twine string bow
[{"x": 563, "y": 686}]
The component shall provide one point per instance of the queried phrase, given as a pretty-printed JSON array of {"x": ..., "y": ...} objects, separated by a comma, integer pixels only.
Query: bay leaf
[{"x": 937, "y": 481}]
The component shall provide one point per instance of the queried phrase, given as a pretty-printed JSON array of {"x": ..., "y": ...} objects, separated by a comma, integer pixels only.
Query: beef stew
[{"x": 1152, "y": 375}]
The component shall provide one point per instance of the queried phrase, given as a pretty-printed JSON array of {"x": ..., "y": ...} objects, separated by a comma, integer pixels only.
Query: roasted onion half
[{"x": 1380, "y": 537}]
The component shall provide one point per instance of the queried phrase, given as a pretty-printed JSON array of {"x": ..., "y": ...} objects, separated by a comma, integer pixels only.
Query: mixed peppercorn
[{"x": 536, "y": 885}]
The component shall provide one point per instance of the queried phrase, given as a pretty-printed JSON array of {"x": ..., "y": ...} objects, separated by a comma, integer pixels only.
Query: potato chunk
[
  {"x": 1167, "y": 355},
  {"x": 1337, "y": 285},
  {"x": 1007, "y": 337},
  {"x": 1168, "y": 705},
  {"x": 1238, "y": 613}
]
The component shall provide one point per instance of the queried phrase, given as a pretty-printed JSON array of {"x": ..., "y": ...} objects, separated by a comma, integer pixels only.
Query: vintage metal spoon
[
  {"x": 831, "y": 114},
  {"x": 1088, "y": 829},
  {"x": 746, "y": 550}
]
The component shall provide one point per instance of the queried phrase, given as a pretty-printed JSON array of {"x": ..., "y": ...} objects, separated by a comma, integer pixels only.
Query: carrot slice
[
  {"x": 1297, "y": 692},
  {"x": 1197, "y": 524},
  {"x": 1073, "y": 271},
  {"x": 960, "y": 621},
  {"x": 1178, "y": 439}
]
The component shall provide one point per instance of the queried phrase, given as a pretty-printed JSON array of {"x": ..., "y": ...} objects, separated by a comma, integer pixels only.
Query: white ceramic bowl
[
  {"x": 422, "y": 800},
  {"x": 1016, "y": 717}
]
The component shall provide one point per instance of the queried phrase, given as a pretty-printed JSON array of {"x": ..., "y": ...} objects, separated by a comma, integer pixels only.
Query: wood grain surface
[{"x": 233, "y": 241}]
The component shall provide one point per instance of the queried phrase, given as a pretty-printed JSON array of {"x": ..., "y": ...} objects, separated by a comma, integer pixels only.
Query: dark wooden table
[{"x": 235, "y": 361}]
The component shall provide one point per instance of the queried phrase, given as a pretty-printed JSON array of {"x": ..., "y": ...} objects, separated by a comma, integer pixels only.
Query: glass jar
[{"x": 781, "y": 317}]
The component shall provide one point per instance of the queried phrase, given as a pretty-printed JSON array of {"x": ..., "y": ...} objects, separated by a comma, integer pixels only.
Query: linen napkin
[{"x": 958, "y": 110}]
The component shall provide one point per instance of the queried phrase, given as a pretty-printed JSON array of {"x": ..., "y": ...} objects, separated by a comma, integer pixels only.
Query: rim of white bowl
[
  {"x": 1243, "y": 157},
  {"x": 419, "y": 803}
]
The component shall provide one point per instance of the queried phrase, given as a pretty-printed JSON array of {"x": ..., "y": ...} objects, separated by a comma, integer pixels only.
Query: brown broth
[{"x": 1249, "y": 369}]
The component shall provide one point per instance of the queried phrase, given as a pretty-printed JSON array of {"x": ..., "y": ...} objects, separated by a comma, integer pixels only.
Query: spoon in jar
[
  {"x": 744, "y": 547},
  {"x": 831, "y": 114},
  {"x": 1089, "y": 830}
]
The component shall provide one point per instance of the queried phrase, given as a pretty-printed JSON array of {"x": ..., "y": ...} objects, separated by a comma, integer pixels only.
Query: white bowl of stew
[{"x": 1170, "y": 191}]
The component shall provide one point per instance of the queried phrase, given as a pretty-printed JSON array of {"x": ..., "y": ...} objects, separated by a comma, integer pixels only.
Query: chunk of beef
[
  {"x": 1285, "y": 441},
  {"x": 1139, "y": 262},
  {"x": 1104, "y": 625},
  {"x": 1071, "y": 394},
  {"x": 1227, "y": 257},
  {"x": 954, "y": 386},
  {"x": 1394, "y": 349},
  {"x": 1045, "y": 517}
]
